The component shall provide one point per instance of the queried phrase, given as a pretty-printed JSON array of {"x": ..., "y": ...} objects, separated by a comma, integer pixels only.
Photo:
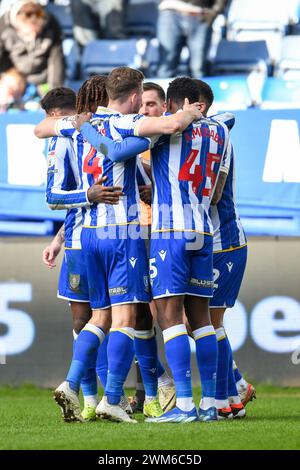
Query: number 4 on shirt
[
  {"x": 91, "y": 164},
  {"x": 197, "y": 177}
]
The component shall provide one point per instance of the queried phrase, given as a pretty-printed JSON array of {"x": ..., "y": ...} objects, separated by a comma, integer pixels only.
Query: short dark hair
[
  {"x": 92, "y": 93},
  {"x": 122, "y": 81},
  {"x": 181, "y": 88},
  {"x": 59, "y": 97},
  {"x": 205, "y": 92},
  {"x": 148, "y": 86}
]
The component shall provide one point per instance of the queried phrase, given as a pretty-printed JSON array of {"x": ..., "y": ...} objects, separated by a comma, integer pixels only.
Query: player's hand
[
  {"x": 80, "y": 119},
  {"x": 50, "y": 253},
  {"x": 146, "y": 193},
  {"x": 193, "y": 108},
  {"x": 104, "y": 194}
]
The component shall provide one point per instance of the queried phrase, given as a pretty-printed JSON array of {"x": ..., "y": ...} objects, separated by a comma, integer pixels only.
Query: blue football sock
[
  {"x": 160, "y": 368},
  {"x": 101, "y": 363},
  {"x": 88, "y": 384},
  {"x": 237, "y": 375},
  {"x": 146, "y": 352},
  {"x": 178, "y": 354},
  {"x": 207, "y": 358},
  {"x": 85, "y": 351},
  {"x": 120, "y": 352},
  {"x": 223, "y": 365},
  {"x": 232, "y": 390}
]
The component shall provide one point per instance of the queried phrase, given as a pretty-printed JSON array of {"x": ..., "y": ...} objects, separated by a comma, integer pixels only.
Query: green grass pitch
[{"x": 29, "y": 419}]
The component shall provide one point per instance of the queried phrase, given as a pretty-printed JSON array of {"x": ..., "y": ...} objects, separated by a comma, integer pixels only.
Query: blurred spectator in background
[
  {"x": 30, "y": 41},
  {"x": 12, "y": 89},
  {"x": 187, "y": 22},
  {"x": 94, "y": 19}
]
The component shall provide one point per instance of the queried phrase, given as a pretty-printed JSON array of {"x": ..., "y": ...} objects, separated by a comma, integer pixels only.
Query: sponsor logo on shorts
[
  {"x": 74, "y": 281},
  {"x": 201, "y": 283},
  {"x": 118, "y": 291},
  {"x": 229, "y": 266},
  {"x": 146, "y": 283},
  {"x": 133, "y": 261},
  {"x": 162, "y": 254}
]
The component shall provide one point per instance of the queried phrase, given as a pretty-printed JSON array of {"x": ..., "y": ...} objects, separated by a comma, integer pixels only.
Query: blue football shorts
[
  {"x": 181, "y": 263},
  {"x": 229, "y": 268},
  {"x": 73, "y": 283},
  {"x": 117, "y": 266}
]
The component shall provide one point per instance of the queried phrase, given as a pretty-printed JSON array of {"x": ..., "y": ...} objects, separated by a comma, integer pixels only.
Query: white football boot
[
  {"x": 113, "y": 412},
  {"x": 68, "y": 401}
]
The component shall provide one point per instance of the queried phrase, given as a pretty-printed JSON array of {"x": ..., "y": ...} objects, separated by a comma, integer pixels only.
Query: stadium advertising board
[
  {"x": 36, "y": 329},
  {"x": 265, "y": 179}
]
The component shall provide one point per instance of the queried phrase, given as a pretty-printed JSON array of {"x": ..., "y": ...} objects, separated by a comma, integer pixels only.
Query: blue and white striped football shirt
[
  {"x": 63, "y": 182},
  {"x": 228, "y": 229},
  {"x": 227, "y": 226},
  {"x": 184, "y": 168},
  {"x": 93, "y": 164}
]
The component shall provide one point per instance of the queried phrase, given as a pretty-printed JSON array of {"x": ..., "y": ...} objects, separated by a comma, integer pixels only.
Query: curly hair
[{"x": 92, "y": 93}]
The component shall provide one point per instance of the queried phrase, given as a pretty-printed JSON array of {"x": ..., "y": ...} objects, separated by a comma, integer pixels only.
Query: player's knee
[
  {"x": 78, "y": 324},
  {"x": 144, "y": 319}
]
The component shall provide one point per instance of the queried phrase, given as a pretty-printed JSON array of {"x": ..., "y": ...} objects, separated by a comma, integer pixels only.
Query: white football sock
[
  {"x": 91, "y": 400},
  {"x": 241, "y": 385},
  {"x": 165, "y": 379},
  {"x": 235, "y": 400},
  {"x": 222, "y": 404},
  {"x": 185, "y": 404},
  {"x": 207, "y": 402},
  {"x": 149, "y": 398}
]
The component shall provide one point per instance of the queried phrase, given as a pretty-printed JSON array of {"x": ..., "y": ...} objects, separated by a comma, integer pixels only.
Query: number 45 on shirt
[{"x": 197, "y": 177}]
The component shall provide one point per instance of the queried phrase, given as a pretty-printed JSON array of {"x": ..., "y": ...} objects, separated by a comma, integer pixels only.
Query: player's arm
[
  {"x": 60, "y": 171},
  {"x": 144, "y": 183},
  {"x": 59, "y": 196},
  {"x": 219, "y": 188},
  {"x": 53, "y": 126},
  {"x": 51, "y": 252},
  {"x": 115, "y": 150},
  {"x": 153, "y": 126},
  {"x": 223, "y": 173},
  {"x": 46, "y": 128}
]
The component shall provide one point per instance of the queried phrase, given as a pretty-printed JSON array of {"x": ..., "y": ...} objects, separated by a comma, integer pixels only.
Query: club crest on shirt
[
  {"x": 51, "y": 159},
  {"x": 74, "y": 281}
]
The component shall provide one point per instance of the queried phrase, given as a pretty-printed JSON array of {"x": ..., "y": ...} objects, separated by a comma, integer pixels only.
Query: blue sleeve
[{"x": 115, "y": 150}]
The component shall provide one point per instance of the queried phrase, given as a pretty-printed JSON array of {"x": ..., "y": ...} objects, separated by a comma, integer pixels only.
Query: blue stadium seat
[
  {"x": 73, "y": 84},
  {"x": 151, "y": 59},
  {"x": 280, "y": 93},
  {"x": 141, "y": 19},
  {"x": 260, "y": 20},
  {"x": 241, "y": 57},
  {"x": 64, "y": 17},
  {"x": 230, "y": 92},
  {"x": 101, "y": 56},
  {"x": 72, "y": 58}
]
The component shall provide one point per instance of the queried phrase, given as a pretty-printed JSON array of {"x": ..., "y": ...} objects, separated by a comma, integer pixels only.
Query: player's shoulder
[
  {"x": 60, "y": 146},
  {"x": 224, "y": 118}
]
